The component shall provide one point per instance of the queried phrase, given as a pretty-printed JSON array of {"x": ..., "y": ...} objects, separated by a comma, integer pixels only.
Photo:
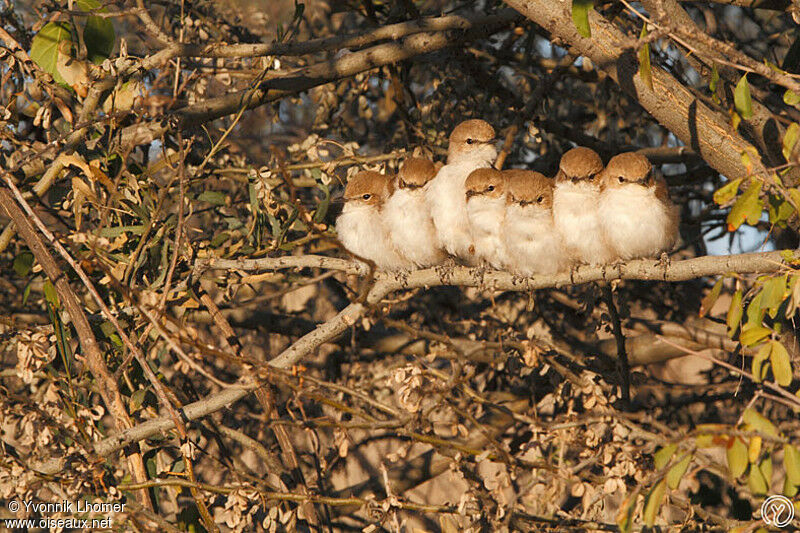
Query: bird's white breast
[
  {"x": 532, "y": 244},
  {"x": 407, "y": 215},
  {"x": 362, "y": 231},
  {"x": 446, "y": 197},
  {"x": 637, "y": 224},
  {"x": 486, "y": 219},
  {"x": 576, "y": 217}
]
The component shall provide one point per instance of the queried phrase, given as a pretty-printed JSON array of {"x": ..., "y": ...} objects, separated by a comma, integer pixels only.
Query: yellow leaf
[
  {"x": 662, "y": 457},
  {"x": 645, "y": 72},
  {"x": 754, "y": 449},
  {"x": 711, "y": 298},
  {"x": 758, "y": 422},
  {"x": 781, "y": 364},
  {"x": 737, "y": 457},
  {"x": 791, "y": 461},
  {"x": 653, "y": 504}
]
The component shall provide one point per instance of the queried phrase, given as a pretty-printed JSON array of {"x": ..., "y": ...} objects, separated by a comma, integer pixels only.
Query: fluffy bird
[
  {"x": 471, "y": 147},
  {"x": 408, "y": 217},
  {"x": 532, "y": 244},
  {"x": 361, "y": 226},
  {"x": 486, "y": 207},
  {"x": 639, "y": 219},
  {"x": 575, "y": 207}
]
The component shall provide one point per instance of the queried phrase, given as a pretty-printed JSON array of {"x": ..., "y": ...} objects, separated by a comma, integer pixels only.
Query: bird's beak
[
  {"x": 337, "y": 198},
  {"x": 470, "y": 194}
]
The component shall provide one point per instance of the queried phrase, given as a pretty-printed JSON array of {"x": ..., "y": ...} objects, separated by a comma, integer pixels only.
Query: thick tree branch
[{"x": 704, "y": 130}]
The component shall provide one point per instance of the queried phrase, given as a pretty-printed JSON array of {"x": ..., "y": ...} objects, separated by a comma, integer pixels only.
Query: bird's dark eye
[
  {"x": 540, "y": 199},
  {"x": 366, "y": 196},
  {"x": 621, "y": 179},
  {"x": 591, "y": 177},
  {"x": 469, "y": 141},
  {"x": 490, "y": 188}
]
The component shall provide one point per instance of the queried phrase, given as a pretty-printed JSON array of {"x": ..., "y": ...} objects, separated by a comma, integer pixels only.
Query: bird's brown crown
[
  {"x": 368, "y": 186},
  {"x": 470, "y": 135},
  {"x": 485, "y": 181},
  {"x": 628, "y": 167},
  {"x": 415, "y": 172},
  {"x": 579, "y": 164},
  {"x": 526, "y": 187}
]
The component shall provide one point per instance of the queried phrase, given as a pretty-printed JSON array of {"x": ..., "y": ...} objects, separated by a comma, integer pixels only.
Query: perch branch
[{"x": 648, "y": 269}]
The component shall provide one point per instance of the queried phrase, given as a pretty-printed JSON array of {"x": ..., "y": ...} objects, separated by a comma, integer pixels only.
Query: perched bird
[
  {"x": 532, "y": 244},
  {"x": 361, "y": 226},
  {"x": 471, "y": 147},
  {"x": 486, "y": 209},
  {"x": 575, "y": 207},
  {"x": 408, "y": 216},
  {"x": 638, "y": 217}
]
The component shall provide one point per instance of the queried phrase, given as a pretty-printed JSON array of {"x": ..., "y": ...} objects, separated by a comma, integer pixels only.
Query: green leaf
[
  {"x": 737, "y": 457},
  {"x": 753, "y": 335},
  {"x": 711, "y": 298},
  {"x": 212, "y": 197},
  {"x": 23, "y": 263},
  {"x": 757, "y": 422},
  {"x": 645, "y": 72},
  {"x": 779, "y": 210},
  {"x": 50, "y": 294},
  {"x": 790, "y": 139},
  {"x": 219, "y": 239},
  {"x": 774, "y": 293},
  {"x": 755, "y": 314},
  {"x": 662, "y": 457},
  {"x": 781, "y": 364},
  {"x": 137, "y": 399},
  {"x": 742, "y": 100},
  {"x": 747, "y": 207},
  {"x": 677, "y": 471},
  {"x": 791, "y": 462},
  {"x": 322, "y": 208},
  {"x": 714, "y": 84},
  {"x": 44, "y": 48},
  {"x": 653, "y": 504},
  {"x": 580, "y": 16},
  {"x": 791, "y": 98},
  {"x": 727, "y": 192},
  {"x": 735, "y": 312},
  {"x": 98, "y": 34}
]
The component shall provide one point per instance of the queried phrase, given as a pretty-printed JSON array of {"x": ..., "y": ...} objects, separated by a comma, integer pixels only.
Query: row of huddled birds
[{"x": 515, "y": 220}]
